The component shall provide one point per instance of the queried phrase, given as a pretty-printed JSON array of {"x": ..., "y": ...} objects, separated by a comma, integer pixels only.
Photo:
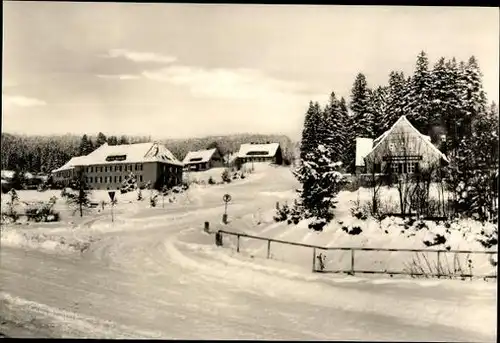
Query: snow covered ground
[{"x": 154, "y": 273}]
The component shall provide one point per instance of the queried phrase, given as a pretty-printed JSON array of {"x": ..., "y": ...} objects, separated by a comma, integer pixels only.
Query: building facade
[
  {"x": 403, "y": 150},
  {"x": 203, "y": 160},
  {"x": 109, "y": 166},
  {"x": 253, "y": 152}
]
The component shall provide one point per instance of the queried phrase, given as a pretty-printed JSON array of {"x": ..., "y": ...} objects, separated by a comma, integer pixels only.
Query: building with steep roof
[{"x": 403, "y": 150}]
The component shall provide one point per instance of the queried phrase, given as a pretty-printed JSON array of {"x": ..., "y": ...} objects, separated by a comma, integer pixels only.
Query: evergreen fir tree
[
  {"x": 112, "y": 140},
  {"x": 379, "y": 102},
  {"x": 349, "y": 149},
  {"x": 474, "y": 101},
  {"x": 419, "y": 95},
  {"x": 333, "y": 136},
  {"x": 123, "y": 140},
  {"x": 85, "y": 146},
  {"x": 395, "y": 99},
  {"x": 360, "y": 107},
  {"x": 101, "y": 139},
  {"x": 309, "y": 132}
]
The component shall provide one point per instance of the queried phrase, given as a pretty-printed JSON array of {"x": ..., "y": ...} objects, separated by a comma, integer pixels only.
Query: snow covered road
[{"x": 163, "y": 278}]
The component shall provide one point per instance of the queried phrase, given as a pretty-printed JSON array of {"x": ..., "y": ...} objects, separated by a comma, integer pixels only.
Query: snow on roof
[
  {"x": 200, "y": 156},
  {"x": 363, "y": 147},
  {"x": 124, "y": 153},
  {"x": 404, "y": 120},
  {"x": 258, "y": 150},
  {"x": 74, "y": 161},
  {"x": 7, "y": 174},
  {"x": 131, "y": 153}
]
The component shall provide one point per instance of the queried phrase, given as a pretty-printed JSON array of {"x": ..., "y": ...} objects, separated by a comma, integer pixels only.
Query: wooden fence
[{"x": 426, "y": 269}]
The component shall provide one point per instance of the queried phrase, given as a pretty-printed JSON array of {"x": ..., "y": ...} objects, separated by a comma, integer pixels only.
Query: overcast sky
[{"x": 185, "y": 70}]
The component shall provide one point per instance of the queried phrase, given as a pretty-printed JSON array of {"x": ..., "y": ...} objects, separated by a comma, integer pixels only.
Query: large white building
[{"x": 109, "y": 165}]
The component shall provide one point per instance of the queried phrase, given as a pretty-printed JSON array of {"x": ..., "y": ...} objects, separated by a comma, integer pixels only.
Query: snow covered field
[{"x": 154, "y": 273}]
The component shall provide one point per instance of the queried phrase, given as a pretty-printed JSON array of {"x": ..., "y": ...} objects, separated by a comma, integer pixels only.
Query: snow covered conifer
[
  {"x": 332, "y": 131},
  {"x": 395, "y": 96},
  {"x": 101, "y": 139},
  {"x": 86, "y": 146},
  {"x": 379, "y": 102},
  {"x": 419, "y": 95},
  {"x": 309, "y": 132},
  {"x": 349, "y": 148},
  {"x": 360, "y": 107}
]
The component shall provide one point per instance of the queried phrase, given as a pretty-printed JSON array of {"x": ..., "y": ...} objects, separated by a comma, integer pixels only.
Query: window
[
  {"x": 105, "y": 179},
  {"x": 115, "y": 178},
  {"x": 135, "y": 168},
  {"x": 394, "y": 167},
  {"x": 140, "y": 178},
  {"x": 141, "y": 166},
  {"x": 195, "y": 159},
  {"x": 90, "y": 179},
  {"x": 412, "y": 167},
  {"x": 116, "y": 158},
  {"x": 120, "y": 178},
  {"x": 250, "y": 153}
]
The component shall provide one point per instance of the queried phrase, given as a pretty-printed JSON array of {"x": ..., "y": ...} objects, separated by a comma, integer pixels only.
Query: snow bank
[{"x": 49, "y": 243}]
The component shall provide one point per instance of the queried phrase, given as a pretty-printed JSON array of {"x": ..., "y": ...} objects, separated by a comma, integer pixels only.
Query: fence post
[
  {"x": 268, "y": 248},
  {"x": 352, "y": 261},
  {"x": 314, "y": 260},
  {"x": 238, "y": 243},
  {"x": 218, "y": 239}
]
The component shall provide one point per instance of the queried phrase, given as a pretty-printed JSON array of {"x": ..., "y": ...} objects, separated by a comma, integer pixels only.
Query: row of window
[
  {"x": 404, "y": 167},
  {"x": 116, "y": 168},
  {"x": 65, "y": 173},
  {"x": 107, "y": 179},
  {"x": 257, "y": 159},
  {"x": 171, "y": 168}
]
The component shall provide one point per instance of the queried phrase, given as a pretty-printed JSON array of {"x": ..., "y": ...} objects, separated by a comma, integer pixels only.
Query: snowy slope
[{"x": 154, "y": 273}]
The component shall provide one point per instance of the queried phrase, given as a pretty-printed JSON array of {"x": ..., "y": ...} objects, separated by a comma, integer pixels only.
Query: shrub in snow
[
  {"x": 352, "y": 230},
  {"x": 437, "y": 239},
  {"x": 317, "y": 224},
  {"x": 153, "y": 200},
  {"x": 43, "y": 212},
  {"x": 358, "y": 211},
  {"x": 282, "y": 212},
  {"x": 11, "y": 212},
  {"x": 211, "y": 181},
  {"x": 489, "y": 239},
  {"x": 139, "y": 195},
  {"x": 225, "y": 176}
]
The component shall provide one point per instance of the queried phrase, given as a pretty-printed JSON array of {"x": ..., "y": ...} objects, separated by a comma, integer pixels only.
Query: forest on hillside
[
  {"x": 440, "y": 99},
  {"x": 447, "y": 99},
  {"x": 45, "y": 153}
]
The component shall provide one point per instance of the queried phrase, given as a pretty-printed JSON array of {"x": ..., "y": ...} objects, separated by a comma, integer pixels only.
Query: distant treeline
[{"x": 46, "y": 153}]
